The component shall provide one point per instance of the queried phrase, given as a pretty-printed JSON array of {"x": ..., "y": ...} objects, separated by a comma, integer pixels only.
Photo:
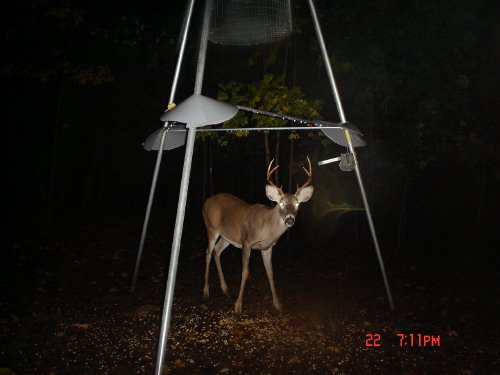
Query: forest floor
[{"x": 66, "y": 308}]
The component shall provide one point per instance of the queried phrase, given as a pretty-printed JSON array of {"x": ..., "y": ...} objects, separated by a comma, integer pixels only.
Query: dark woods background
[{"x": 84, "y": 84}]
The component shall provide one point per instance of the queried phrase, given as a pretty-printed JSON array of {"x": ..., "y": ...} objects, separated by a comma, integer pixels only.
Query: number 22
[{"x": 372, "y": 339}]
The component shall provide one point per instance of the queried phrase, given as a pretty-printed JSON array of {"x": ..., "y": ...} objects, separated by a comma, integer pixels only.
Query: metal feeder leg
[
  {"x": 184, "y": 33},
  {"x": 370, "y": 220},
  {"x": 181, "y": 207},
  {"x": 340, "y": 109},
  {"x": 174, "y": 255}
]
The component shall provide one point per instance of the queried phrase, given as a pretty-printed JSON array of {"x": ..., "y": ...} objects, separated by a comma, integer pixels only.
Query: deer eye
[
  {"x": 282, "y": 204},
  {"x": 296, "y": 204}
]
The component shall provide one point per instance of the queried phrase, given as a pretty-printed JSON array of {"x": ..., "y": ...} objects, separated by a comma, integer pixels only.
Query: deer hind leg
[
  {"x": 219, "y": 248},
  {"x": 212, "y": 238},
  {"x": 268, "y": 264},
  {"x": 245, "y": 257}
]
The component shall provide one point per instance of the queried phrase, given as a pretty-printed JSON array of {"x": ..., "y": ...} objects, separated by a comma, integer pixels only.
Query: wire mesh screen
[{"x": 250, "y": 22}]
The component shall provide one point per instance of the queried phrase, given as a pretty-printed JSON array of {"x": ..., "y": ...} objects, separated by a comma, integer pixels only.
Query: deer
[{"x": 232, "y": 221}]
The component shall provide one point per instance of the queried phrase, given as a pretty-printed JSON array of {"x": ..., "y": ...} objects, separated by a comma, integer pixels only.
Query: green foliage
[
  {"x": 41, "y": 44},
  {"x": 268, "y": 94},
  {"x": 94, "y": 77},
  {"x": 62, "y": 13}
]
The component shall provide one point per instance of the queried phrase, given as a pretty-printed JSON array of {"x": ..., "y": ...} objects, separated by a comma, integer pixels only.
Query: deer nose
[{"x": 289, "y": 220}]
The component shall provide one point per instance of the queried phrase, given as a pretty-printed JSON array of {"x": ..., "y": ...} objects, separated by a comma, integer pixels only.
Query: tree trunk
[
  {"x": 266, "y": 147},
  {"x": 205, "y": 171},
  {"x": 402, "y": 224},
  {"x": 51, "y": 189},
  {"x": 277, "y": 156},
  {"x": 89, "y": 203},
  {"x": 285, "y": 62},
  {"x": 479, "y": 211},
  {"x": 294, "y": 76},
  {"x": 210, "y": 168},
  {"x": 290, "y": 166}
]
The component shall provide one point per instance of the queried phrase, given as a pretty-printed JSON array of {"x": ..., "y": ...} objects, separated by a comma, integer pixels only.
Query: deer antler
[
  {"x": 309, "y": 177},
  {"x": 269, "y": 174}
]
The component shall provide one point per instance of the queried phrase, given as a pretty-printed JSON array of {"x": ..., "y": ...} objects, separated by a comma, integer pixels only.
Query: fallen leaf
[
  {"x": 207, "y": 333},
  {"x": 413, "y": 372},
  {"x": 180, "y": 363},
  {"x": 236, "y": 364},
  {"x": 81, "y": 325},
  {"x": 341, "y": 275},
  {"x": 239, "y": 334},
  {"x": 333, "y": 349},
  {"x": 6, "y": 371},
  {"x": 295, "y": 359}
]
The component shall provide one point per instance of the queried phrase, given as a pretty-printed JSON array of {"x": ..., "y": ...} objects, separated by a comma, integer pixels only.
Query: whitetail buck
[{"x": 229, "y": 220}]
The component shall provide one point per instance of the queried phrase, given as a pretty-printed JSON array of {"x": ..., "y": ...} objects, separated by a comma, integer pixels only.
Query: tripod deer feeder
[{"x": 238, "y": 23}]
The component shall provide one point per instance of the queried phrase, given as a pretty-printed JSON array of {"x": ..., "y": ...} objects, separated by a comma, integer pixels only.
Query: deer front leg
[
  {"x": 219, "y": 248},
  {"x": 245, "y": 257},
  {"x": 268, "y": 264}
]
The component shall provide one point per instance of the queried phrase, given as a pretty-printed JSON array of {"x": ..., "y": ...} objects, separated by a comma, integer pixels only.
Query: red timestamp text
[
  {"x": 405, "y": 339},
  {"x": 372, "y": 339}
]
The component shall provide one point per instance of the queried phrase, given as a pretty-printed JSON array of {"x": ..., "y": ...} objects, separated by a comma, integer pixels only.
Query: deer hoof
[
  {"x": 278, "y": 306},
  {"x": 205, "y": 293},
  {"x": 238, "y": 307}
]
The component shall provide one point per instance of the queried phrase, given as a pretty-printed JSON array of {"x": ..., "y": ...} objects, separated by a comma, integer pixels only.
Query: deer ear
[
  {"x": 305, "y": 194},
  {"x": 273, "y": 193}
]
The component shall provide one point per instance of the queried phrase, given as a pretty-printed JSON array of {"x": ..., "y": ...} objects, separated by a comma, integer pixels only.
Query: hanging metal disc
[
  {"x": 338, "y": 135},
  {"x": 175, "y": 137},
  {"x": 198, "y": 110}
]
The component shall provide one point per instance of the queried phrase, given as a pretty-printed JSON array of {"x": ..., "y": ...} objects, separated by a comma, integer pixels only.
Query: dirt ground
[{"x": 66, "y": 309}]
